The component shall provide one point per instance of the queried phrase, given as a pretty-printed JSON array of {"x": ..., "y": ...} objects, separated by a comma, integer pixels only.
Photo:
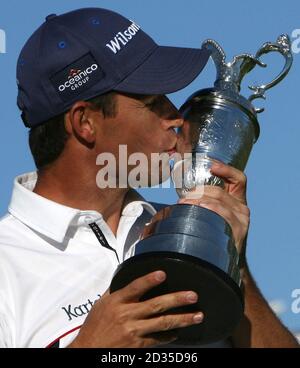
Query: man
[{"x": 89, "y": 81}]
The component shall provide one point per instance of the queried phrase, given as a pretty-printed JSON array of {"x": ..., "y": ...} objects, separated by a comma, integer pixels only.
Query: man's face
[{"x": 146, "y": 125}]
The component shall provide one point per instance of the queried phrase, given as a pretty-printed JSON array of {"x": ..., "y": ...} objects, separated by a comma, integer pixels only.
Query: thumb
[{"x": 235, "y": 180}]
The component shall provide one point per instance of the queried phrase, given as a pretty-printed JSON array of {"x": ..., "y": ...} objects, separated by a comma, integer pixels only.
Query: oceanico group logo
[
  {"x": 2, "y": 42},
  {"x": 77, "y": 78}
]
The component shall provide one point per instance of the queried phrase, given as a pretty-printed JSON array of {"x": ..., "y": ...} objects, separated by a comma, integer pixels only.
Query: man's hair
[{"x": 47, "y": 141}]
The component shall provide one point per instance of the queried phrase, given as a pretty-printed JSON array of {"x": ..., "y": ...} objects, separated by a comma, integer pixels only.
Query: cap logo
[
  {"x": 121, "y": 39},
  {"x": 77, "y": 77},
  {"x": 73, "y": 72}
]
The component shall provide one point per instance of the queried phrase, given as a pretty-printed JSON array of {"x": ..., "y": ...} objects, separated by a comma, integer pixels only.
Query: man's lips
[{"x": 171, "y": 151}]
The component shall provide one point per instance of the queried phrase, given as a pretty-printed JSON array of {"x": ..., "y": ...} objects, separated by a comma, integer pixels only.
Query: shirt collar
[{"x": 53, "y": 219}]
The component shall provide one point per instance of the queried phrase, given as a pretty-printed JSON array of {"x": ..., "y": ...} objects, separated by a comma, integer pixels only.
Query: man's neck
[{"x": 82, "y": 193}]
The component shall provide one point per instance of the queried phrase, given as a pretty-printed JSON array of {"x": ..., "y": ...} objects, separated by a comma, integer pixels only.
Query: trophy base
[{"x": 219, "y": 297}]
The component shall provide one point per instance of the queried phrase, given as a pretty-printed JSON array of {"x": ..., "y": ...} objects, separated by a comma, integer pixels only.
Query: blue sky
[{"x": 273, "y": 175}]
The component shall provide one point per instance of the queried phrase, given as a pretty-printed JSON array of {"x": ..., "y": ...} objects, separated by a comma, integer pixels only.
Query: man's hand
[
  {"x": 259, "y": 327},
  {"x": 120, "y": 320},
  {"x": 230, "y": 202}
]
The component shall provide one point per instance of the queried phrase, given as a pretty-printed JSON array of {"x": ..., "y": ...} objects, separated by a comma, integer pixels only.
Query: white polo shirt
[{"x": 52, "y": 267}]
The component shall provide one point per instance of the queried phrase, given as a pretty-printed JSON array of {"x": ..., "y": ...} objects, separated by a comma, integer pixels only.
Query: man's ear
[{"x": 79, "y": 121}]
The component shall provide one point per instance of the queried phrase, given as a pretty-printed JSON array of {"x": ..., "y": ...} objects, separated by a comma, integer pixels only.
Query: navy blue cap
[{"x": 87, "y": 52}]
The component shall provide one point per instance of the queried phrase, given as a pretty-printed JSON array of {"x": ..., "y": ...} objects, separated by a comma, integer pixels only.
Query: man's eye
[
  {"x": 156, "y": 108},
  {"x": 163, "y": 108},
  {"x": 152, "y": 104},
  {"x": 156, "y": 105}
]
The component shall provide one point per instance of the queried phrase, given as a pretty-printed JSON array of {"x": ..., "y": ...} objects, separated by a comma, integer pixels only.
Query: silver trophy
[{"x": 194, "y": 245}]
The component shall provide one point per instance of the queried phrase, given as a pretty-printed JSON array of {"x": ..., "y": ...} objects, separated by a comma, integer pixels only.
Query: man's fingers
[
  {"x": 236, "y": 213},
  {"x": 168, "y": 322},
  {"x": 235, "y": 180},
  {"x": 230, "y": 201},
  {"x": 137, "y": 288},
  {"x": 163, "y": 303},
  {"x": 213, "y": 194},
  {"x": 229, "y": 173},
  {"x": 215, "y": 206}
]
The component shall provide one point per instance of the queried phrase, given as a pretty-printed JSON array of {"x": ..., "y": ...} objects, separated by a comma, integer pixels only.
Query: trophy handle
[{"x": 283, "y": 46}]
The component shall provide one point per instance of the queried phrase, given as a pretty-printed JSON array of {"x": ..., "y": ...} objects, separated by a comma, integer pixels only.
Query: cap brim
[{"x": 167, "y": 70}]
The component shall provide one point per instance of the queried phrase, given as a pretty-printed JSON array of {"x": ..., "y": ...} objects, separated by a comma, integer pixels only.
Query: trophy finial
[{"x": 231, "y": 74}]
